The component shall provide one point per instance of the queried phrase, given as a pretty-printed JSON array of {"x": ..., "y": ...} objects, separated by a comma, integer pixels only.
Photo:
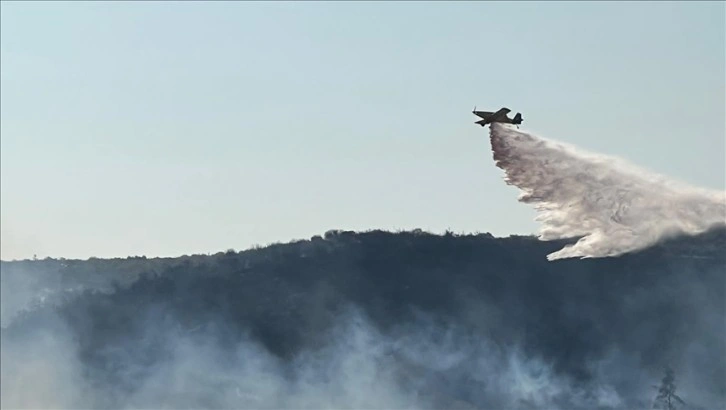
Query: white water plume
[{"x": 613, "y": 206}]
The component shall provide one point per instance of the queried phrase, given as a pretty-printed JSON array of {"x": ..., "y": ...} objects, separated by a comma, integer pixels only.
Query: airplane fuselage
[{"x": 489, "y": 117}]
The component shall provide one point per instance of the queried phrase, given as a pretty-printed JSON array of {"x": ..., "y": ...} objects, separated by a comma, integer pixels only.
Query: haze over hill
[{"x": 368, "y": 320}]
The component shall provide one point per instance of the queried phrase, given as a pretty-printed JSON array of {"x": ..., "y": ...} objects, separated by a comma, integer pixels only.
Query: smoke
[
  {"x": 612, "y": 207},
  {"x": 422, "y": 366},
  {"x": 372, "y": 322},
  {"x": 40, "y": 370}
]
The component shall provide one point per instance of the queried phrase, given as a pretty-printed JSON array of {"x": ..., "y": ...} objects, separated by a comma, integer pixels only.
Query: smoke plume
[{"x": 611, "y": 205}]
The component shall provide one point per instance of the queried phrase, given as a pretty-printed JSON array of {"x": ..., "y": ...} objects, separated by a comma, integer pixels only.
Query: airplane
[{"x": 499, "y": 116}]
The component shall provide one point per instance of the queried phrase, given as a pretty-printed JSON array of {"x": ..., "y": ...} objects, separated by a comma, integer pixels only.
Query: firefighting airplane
[{"x": 499, "y": 116}]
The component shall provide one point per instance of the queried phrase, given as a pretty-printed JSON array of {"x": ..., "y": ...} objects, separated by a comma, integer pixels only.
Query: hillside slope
[{"x": 369, "y": 320}]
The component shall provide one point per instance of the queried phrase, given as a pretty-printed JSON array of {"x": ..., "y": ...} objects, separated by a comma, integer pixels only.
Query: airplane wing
[{"x": 483, "y": 114}]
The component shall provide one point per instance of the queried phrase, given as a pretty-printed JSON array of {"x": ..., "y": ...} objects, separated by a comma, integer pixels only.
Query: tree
[{"x": 667, "y": 397}]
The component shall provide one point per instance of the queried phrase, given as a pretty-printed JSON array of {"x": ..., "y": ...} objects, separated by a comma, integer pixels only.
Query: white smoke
[
  {"x": 612, "y": 205},
  {"x": 425, "y": 366}
]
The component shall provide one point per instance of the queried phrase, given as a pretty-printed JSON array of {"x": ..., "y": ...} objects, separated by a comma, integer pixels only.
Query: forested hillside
[{"x": 371, "y": 319}]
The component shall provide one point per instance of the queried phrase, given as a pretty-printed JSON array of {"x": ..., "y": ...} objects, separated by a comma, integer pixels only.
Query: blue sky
[{"x": 161, "y": 128}]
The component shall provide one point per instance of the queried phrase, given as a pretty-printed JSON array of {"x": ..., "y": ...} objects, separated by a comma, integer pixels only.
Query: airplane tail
[{"x": 517, "y": 119}]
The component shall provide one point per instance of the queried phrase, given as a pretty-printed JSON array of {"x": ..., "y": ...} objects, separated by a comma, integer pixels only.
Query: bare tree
[{"x": 667, "y": 397}]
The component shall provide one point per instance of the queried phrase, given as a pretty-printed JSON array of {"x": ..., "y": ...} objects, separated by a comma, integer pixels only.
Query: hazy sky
[{"x": 141, "y": 128}]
